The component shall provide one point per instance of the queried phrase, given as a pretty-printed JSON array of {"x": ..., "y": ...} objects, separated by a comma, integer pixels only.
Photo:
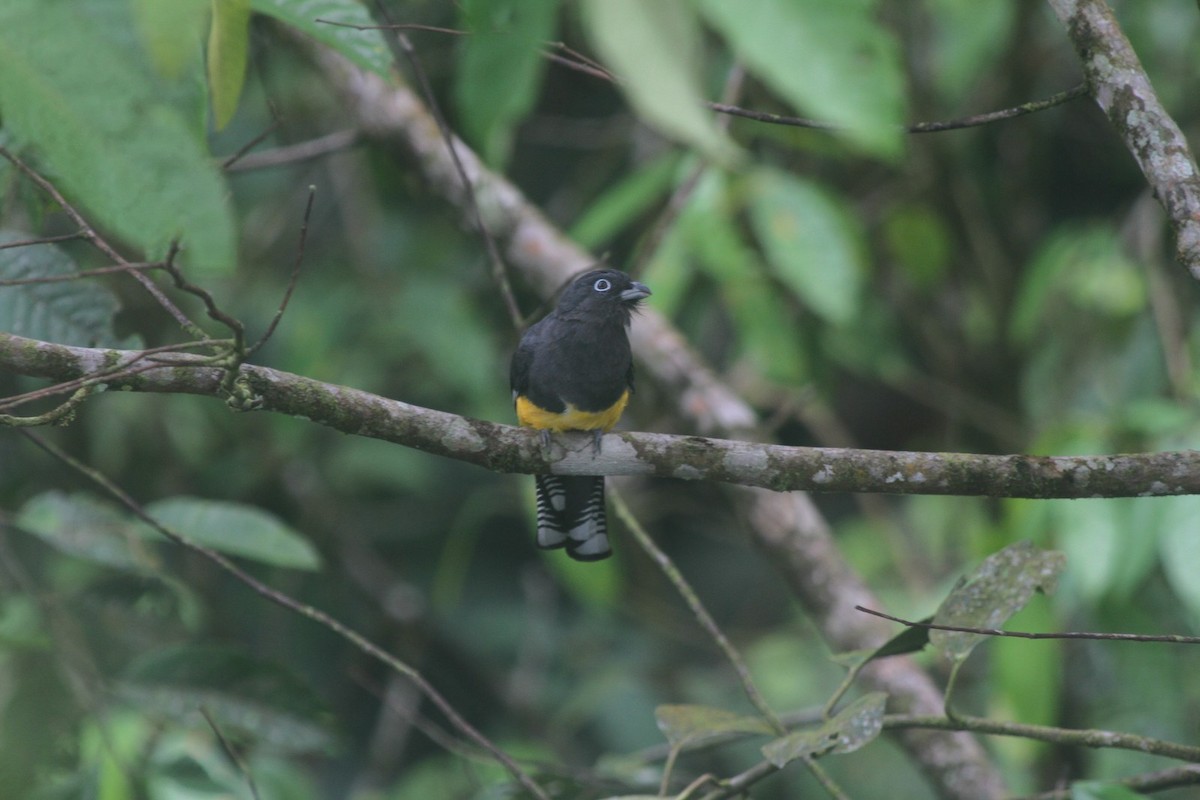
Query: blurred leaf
[
  {"x": 76, "y": 312},
  {"x": 856, "y": 725},
  {"x": 620, "y": 206},
  {"x": 811, "y": 241},
  {"x": 766, "y": 332},
  {"x": 1085, "y": 265},
  {"x": 236, "y": 529},
  {"x": 84, "y": 526},
  {"x": 1180, "y": 548},
  {"x": 243, "y": 695},
  {"x": 831, "y": 61},
  {"x": 108, "y": 138},
  {"x": 1099, "y": 790},
  {"x": 445, "y": 331},
  {"x": 21, "y": 624},
  {"x": 970, "y": 35},
  {"x": 1112, "y": 545},
  {"x": 500, "y": 68},
  {"x": 669, "y": 273},
  {"x": 687, "y": 724},
  {"x": 920, "y": 243},
  {"x": 228, "y": 43},
  {"x": 171, "y": 32},
  {"x": 1028, "y": 675},
  {"x": 654, "y": 48},
  {"x": 997, "y": 589},
  {"x": 364, "y": 48}
]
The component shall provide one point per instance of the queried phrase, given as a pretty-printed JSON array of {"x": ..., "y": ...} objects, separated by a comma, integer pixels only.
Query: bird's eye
[{"x": 602, "y": 285}]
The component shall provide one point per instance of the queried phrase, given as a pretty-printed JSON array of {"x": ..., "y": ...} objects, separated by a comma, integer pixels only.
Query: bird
[{"x": 573, "y": 371}]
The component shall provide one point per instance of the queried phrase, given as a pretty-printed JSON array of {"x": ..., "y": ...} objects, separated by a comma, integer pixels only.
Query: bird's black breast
[{"x": 576, "y": 359}]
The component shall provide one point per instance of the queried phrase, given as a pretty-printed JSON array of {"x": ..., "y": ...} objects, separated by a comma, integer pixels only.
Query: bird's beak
[{"x": 635, "y": 292}]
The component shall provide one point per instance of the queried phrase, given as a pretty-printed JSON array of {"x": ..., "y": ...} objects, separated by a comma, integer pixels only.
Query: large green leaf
[
  {"x": 171, "y": 32},
  {"x": 228, "y": 42},
  {"x": 625, "y": 202},
  {"x": 500, "y": 68},
  {"x": 84, "y": 526},
  {"x": 832, "y": 61},
  {"x": 100, "y": 125},
  {"x": 997, "y": 589},
  {"x": 236, "y": 529},
  {"x": 365, "y": 48},
  {"x": 244, "y": 696},
  {"x": 766, "y": 330},
  {"x": 78, "y": 312},
  {"x": 685, "y": 725},
  {"x": 1180, "y": 548},
  {"x": 654, "y": 48},
  {"x": 812, "y": 242}
]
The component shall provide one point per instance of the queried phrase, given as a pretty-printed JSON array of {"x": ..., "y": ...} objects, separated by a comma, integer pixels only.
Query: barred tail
[{"x": 570, "y": 513}]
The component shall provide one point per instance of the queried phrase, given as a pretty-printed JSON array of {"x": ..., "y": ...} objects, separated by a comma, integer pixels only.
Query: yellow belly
[{"x": 572, "y": 419}]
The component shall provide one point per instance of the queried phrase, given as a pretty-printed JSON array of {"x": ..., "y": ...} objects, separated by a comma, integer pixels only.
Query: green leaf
[
  {"x": 832, "y": 61},
  {"x": 171, "y": 32},
  {"x": 856, "y": 725},
  {"x": 76, "y": 312},
  {"x": 103, "y": 128},
  {"x": 919, "y": 241},
  {"x": 811, "y": 241},
  {"x": 236, "y": 529},
  {"x": 244, "y": 696},
  {"x": 654, "y": 48},
  {"x": 969, "y": 37},
  {"x": 500, "y": 68},
  {"x": 685, "y": 725},
  {"x": 766, "y": 330},
  {"x": 228, "y": 43},
  {"x": 622, "y": 204},
  {"x": 86, "y": 527},
  {"x": 996, "y": 590},
  {"x": 364, "y": 48},
  {"x": 1179, "y": 547},
  {"x": 1084, "y": 265}
]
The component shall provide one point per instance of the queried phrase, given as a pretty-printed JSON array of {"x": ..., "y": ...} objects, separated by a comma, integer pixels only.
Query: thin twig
[
  {"x": 66, "y": 237},
  {"x": 83, "y": 273},
  {"x": 55, "y": 416},
  {"x": 116, "y": 373},
  {"x": 395, "y": 26},
  {"x": 96, "y": 239},
  {"x": 1045, "y": 733},
  {"x": 1187, "y": 775},
  {"x": 975, "y": 120},
  {"x": 291, "y": 287},
  {"x": 499, "y": 272},
  {"x": 210, "y": 305},
  {"x": 303, "y": 609},
  {"x": 1117, "y": 637},
  {"x": 250, "y": 145},
  {"x": 300, "y": 151},
  {"x": 705, "y": 619},
  {"x": 229, "y": 751}
]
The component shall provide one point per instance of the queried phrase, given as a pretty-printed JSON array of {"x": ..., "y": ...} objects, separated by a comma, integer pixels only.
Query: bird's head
[{"x": 606, "y": 291}]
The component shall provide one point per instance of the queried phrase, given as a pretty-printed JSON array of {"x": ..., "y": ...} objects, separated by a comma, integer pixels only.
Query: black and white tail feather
[{"x": 570, "y": 514}]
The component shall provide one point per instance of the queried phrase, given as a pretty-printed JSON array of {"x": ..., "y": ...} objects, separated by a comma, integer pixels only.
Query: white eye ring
[{"x": 602, "y": 285}]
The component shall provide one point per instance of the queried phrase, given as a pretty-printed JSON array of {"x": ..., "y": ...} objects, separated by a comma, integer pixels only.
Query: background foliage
[{"x": 1006, "y": 288}]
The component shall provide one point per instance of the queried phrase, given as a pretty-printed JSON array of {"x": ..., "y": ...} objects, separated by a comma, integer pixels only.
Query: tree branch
[
  {"x": 504, "y": 448},
  {"x": 1123, "y": 91},
  {"x": 786, "y": 526}
]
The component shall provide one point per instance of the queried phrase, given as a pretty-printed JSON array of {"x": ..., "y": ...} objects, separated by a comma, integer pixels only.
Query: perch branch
[
  {"x": 504, "y": 448},
  {"x": 1121, "y": 88}
]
